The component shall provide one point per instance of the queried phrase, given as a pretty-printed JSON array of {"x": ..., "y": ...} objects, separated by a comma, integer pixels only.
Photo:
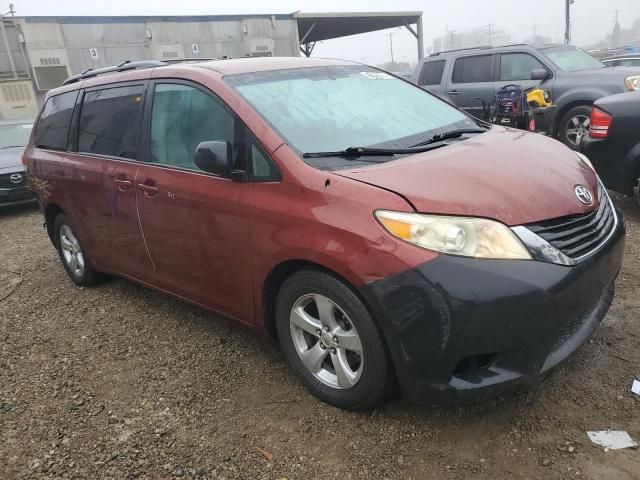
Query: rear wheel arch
[{"x": 51, "y": 211}]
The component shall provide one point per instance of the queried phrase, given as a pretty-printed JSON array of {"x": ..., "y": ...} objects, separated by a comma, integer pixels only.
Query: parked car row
[
  {"x": 383, "y": 236},
  {"x": 472, "y": 77}
]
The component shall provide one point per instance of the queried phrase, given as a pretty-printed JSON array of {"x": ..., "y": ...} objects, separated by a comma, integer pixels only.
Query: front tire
[
  {"x": 331, "y": 341},
  {"x": 574, "y": 125},
  {"x": 73, "y": 256}
]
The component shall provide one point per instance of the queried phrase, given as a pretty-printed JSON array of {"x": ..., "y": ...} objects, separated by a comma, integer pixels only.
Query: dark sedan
[
  {"x": 613, "y": 143},
  {"x": 14, "y": 136}
]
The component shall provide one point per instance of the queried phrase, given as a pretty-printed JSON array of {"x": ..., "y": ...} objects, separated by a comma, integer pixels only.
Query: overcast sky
[{"x": 592, "y": 19}]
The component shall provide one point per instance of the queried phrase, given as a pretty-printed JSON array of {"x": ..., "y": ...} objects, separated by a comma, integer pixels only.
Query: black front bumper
[
  {"x": 16, "y": 196},
  {"x": 459, "y": 327}
]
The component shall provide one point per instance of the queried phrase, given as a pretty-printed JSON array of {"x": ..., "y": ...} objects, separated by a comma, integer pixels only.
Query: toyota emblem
[
  {"x": 15, "y": 178},
  {"x": 584, "y": 195}
]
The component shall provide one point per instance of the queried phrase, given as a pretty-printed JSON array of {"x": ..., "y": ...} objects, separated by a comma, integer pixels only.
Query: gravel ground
[{"x": 119, "y": 381}]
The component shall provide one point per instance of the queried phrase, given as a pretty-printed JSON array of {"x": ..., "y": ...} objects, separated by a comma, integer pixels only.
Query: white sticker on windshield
[
  {"x": 27, "y": 126},
  {"x": 376, "y": 75}
]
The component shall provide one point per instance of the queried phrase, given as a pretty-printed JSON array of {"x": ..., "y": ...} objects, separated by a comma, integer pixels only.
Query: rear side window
[
  {"x": 431, "y": 73},
  {"x": 473, "y": 69},
  {"x": 518, "y": 66},
  {"x": 52, "y": 130},
  {"x": 110, "y": 121}
]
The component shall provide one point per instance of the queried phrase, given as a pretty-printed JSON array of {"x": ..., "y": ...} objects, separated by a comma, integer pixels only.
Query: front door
[
  {"x": 100, "y": 177},
  {"x": 196, "y": 224},
  {"x": 472, "y": 83},
  {"x": 515, "y": 69}
]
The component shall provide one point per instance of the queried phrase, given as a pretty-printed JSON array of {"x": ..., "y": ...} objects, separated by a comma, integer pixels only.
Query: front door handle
[
  {"x": 453, "y": 92},
  {"x": 149, "y": 190},
  {"x": 123, "y": 184}
]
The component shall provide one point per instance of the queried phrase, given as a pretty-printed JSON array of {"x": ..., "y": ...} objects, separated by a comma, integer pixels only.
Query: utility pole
[
  {"x": 489, "y": 33},
  {"x": 534, "y": 34},
  {"x": 391, "y": 46},
  {"x": 567, "y": 27}
]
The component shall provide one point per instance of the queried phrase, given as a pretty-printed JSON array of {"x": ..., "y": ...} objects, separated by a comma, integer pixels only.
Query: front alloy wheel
[
  {"x": 332, "y": 342},
  {"x": 326, "y": 341},
  {"x": 577, "y": 128}
]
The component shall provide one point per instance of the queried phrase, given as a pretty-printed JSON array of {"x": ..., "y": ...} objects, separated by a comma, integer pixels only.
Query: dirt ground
[{"x": 119, "y": 381}]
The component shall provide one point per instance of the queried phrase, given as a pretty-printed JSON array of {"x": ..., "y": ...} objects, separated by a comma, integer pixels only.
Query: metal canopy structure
[{"x": 315, "y": 27}]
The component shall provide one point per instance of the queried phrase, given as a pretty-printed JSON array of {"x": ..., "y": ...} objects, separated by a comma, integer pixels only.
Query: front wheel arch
[
  {"x": 277, "y": 277},
  {"x": 561, "y": 113}
]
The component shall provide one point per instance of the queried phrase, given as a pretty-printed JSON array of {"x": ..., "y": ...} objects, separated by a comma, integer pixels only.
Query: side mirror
[
  {"x": 540, "y": 74},
  {"x": 214, "y": 157}
]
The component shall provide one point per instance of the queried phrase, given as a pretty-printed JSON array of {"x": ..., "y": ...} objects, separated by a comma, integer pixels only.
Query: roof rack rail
[
  {"x": 484, "y": 47},
  {"x": 188, "y": 60},
  {"x": 122, "y": 67},
  {"x": 460, "y": 50}
]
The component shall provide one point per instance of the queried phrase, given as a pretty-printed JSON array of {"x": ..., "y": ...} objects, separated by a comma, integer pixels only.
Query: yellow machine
[{"x": 538, "y": 98}]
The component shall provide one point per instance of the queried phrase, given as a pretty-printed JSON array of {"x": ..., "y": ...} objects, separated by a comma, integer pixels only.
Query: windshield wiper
[
  {"x": 354, "y": 152},
  {"x": 11, "y": 146},
  {"x": 448, "y": 135}
]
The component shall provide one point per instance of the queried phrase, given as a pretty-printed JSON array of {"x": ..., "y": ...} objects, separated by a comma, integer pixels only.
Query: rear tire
[
  {"x": 574, "y": 125},
  {"x": 331, "y": 341},
  {"x": 73, "y": 256}
]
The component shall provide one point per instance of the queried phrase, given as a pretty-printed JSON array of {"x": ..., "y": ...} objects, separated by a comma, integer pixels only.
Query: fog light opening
[{"x": 476, "y": 367}]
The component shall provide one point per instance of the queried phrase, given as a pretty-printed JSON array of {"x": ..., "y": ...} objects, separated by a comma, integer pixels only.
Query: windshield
[
  {"x": 571, "y": 59},
  {"x": 335, "y": 107},
  {"x": 15, "y": 135}
]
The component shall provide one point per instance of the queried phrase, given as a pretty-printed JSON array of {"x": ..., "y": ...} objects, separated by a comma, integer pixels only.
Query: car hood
[
  {"x": 617, "y": 72},
  {"x": 512, "y": 176},
  {"x": 11, "y": 159}
]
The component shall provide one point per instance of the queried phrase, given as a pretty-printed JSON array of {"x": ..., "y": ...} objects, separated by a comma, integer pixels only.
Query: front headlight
[
  {"x": 633, "y": 83},
  {"x": 465, "y": 236}
]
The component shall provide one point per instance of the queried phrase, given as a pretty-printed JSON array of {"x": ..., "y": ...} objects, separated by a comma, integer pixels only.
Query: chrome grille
[{"x": 579, "y": 235}]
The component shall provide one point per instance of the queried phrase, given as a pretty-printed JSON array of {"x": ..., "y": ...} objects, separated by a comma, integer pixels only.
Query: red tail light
[{"x": 600, "y": 123}]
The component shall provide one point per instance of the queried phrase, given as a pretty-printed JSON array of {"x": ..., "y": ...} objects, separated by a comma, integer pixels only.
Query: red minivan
[{"x": 386, "y": 238}]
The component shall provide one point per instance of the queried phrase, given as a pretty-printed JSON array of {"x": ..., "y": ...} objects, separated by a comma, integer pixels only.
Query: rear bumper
[
  {"x": 16, "y": 196},
  {"x": 617, "y": 163},
  {"x": 461, "y": 328}
]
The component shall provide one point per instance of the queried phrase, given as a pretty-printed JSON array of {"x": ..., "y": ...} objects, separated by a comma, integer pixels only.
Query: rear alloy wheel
[
  {"x": 575, "y": 125},
  {"x": 331, "y": 341},
  {"x": 71, "y": 253}
]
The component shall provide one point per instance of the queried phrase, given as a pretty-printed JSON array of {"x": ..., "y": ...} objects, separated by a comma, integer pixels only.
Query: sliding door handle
[
  {"x": 123, "y": 184},
  {"x": 148, "y": 190}
]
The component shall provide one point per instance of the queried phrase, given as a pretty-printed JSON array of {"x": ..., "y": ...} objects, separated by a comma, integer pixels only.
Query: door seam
[{"x": 144, "y": 239}]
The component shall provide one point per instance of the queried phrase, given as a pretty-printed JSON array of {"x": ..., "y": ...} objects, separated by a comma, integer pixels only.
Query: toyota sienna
[{"x": 383, "y": 236}]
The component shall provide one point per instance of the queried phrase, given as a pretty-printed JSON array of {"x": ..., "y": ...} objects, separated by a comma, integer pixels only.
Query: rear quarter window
[
  {"x": 52, "y": 129},
  {"x": 431, "y": 73},
  {"x": 474, "y": 69}
]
